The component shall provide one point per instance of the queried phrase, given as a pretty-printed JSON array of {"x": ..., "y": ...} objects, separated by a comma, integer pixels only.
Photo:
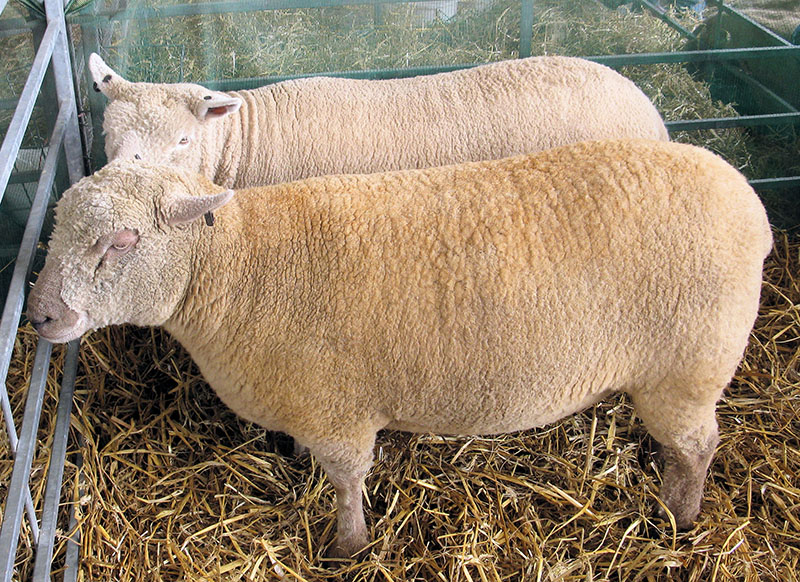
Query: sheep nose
[
  {"x": 37, "y": 317},
  {"x": 137, "y": 156},
  {"x": 44, "y": 300}
]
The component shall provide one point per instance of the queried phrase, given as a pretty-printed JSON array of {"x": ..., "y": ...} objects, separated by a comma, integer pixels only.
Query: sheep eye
[
  {"x": 122, "y": 246},
  {"x": 122, "y": 242},
  {"x": 184, "y": 141}
]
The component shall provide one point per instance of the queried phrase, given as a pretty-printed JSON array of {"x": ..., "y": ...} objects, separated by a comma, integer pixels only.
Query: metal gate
[{"x": 53, "y": 53}]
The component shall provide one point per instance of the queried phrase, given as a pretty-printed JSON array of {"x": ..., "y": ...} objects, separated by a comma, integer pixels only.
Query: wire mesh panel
[
  {"x": 236, "y": 45},
  {"x": 781, "y": 17}
]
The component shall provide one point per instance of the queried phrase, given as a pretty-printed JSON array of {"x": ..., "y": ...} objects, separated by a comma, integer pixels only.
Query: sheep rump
[{"x": 480, "y": 298}]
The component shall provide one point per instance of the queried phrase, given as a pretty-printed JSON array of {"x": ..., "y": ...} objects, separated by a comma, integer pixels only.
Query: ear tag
[{"x": 209, "y": 216}]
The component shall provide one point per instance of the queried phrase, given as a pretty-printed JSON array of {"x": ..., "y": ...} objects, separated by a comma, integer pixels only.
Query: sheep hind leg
[{"x": 687, "y": 432}]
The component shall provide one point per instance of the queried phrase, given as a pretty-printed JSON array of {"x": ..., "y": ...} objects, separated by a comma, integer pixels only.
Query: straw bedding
[{"x": 175, "y": 487}]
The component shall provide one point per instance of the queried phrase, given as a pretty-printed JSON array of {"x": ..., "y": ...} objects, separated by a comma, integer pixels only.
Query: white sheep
[
  {"x": 317, "y": 126},
  {"x": 480, "y": 298}
]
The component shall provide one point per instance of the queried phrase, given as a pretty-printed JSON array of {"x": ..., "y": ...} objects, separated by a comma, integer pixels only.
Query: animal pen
[{"x": 119, "y": 463}]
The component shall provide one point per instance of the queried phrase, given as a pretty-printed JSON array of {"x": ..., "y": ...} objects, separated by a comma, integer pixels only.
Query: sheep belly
[{"x": 501, "y": 417}]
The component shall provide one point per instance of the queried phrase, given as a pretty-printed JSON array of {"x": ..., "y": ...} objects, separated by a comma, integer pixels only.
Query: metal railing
[{"x": 52, "y": 52}]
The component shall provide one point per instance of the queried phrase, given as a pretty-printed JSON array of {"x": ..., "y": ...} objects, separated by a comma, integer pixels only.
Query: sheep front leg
[
  {"x": 346, "y": 469},
  {"x": 351, "y": 528},
  {"x": 684, "y": 476}
]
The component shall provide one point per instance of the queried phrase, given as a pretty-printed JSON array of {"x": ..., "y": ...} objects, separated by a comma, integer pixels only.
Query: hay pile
[{"x": 178, "y": 488}]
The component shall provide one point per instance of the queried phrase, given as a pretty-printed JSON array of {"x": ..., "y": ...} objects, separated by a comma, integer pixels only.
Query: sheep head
[
  {"x": 121, "y": 249},
  {"x": 157, "y": 122}
]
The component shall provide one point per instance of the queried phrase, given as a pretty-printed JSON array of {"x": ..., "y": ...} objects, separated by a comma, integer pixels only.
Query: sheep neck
[
  {"x": 249, "y": 151},
  {"x": 236, "y": 311},
  {"x": 242, "y": 274}
]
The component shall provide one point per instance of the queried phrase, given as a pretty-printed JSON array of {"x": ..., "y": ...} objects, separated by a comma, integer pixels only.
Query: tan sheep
[
  {"x": 480, "y": 298},
  {"x": 317, "y": 126}
]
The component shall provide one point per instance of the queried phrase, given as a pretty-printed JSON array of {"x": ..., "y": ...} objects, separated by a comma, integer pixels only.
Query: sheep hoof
[
  {"x": 339, "y": 551},
  {"x": 335, "y": 552},
  {"x": 682, "y": 522},
  {"x": 684, "y": 477}
]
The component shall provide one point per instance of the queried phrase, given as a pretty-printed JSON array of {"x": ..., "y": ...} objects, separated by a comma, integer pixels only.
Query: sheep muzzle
[{"x": 49, "y": 314}]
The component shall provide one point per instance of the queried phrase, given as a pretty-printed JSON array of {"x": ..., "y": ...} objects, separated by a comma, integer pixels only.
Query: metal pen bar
[
  {"x": 776, "y": 183},
  {"x": 90, "y": 44},
  {"x": 73, "y": 151},
  {"x": 526, "y": 28},
  {"x": 253, "y": 82},
  {"x": 13, "y": 26},
  {"x": 69, "y": 136},
  {"x": 74, "y": 541},
  {"x": 609, "y": 60},
  {"x": 717, "y": 32},
  {"x": 696, "y": 56},
  {"x": 659, "y": 13},
  {"x": 726, "y": 122},
  {"x": 779, "y": 40},
  {"x": 8, "y": 104},
  {"x": 27, "y": 99},
  {"x": 12, "y": 516},
  {"x": 16, "y": 292},
  {"x": 206, "y": 8},
  {"x": 760, "y": 88},
  {"x": 27, "y": 177},
  {"x": 62, "y": 72},
  {"x": 55, "y": 473}
]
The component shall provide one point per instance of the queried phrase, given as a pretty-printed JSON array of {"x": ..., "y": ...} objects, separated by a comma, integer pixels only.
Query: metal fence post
[
  {"x": 526, "y": 28},
  {"x": 62, "y": 71},
  {"x": 89, "y": 44}
]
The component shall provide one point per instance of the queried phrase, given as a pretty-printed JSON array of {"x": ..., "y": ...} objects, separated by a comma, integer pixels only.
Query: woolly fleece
[
  {"x": 318, "y": 126},
  {"x": 479, "y": 298}
]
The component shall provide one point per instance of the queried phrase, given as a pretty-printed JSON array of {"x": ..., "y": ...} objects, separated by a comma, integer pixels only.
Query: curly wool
[
  {"x": 479, "y": 298},
  {"x": 318, "y": 126}
]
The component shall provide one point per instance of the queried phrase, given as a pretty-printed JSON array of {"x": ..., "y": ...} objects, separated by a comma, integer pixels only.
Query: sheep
[
  {"x": 481, "y": 298},
  {"x": 316, "y": 126}
]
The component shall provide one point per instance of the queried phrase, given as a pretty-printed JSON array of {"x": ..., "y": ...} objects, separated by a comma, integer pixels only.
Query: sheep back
[{"x": 328, "y": 125}]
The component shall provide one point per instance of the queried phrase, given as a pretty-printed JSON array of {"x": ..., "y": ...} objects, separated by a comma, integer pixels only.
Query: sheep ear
[
  {"x": 213, "y": 105},
  {"x": 189, "y": 208},
  {"x": 105, "y": 79}
]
